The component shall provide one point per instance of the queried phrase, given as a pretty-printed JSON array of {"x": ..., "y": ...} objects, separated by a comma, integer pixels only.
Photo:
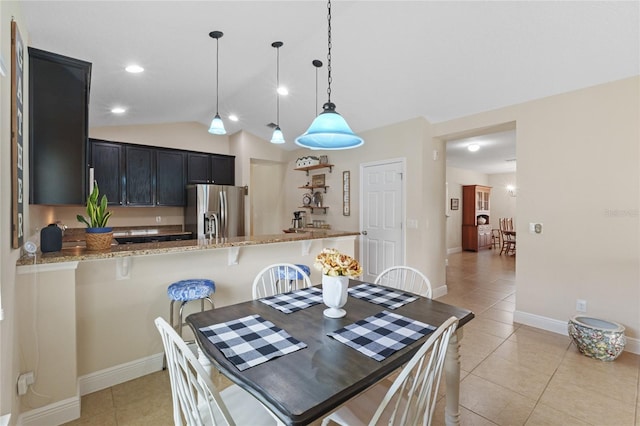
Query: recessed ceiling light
[
  {"x": 134, "y": 69},
  {"x": 118, "y": 110},
  {"x": 283, "y": 91},
  {"x": 473, "y": 147},
  {"x": 233, "y": 117}
]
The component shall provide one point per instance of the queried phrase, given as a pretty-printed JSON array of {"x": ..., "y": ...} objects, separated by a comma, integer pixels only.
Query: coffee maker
[{"x": 298, "y": 220}]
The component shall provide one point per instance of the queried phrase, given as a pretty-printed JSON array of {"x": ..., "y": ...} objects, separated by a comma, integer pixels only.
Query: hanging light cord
[
  {"x": 329, "y": 51},
  {"x": 217, "y": 72},
  {"x": 277, "y": 87},
  {"x": 316, "y": 91}
]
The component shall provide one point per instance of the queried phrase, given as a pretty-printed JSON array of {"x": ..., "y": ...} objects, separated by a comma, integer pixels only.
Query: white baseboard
[
  {"x": 560, "y": 327},
  {"x": 53, "y": 414},
  {"x": 112, "y": 376},
  {"x": 454, "y": 250},
  {"x": 439, "y": 291}
]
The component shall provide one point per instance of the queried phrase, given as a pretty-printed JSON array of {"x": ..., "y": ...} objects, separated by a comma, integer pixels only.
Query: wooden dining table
[{"x": 306, "y": 385}]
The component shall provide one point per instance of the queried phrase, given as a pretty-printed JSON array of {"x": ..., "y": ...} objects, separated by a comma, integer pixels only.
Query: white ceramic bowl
[{"x": 597, "y": 338}]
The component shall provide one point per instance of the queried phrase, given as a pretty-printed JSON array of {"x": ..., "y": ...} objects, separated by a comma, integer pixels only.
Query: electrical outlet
[
  {"x": 581, "y": 305},
  {"x": 158, "y": 219},
  {"x": 24, "y": 381}
]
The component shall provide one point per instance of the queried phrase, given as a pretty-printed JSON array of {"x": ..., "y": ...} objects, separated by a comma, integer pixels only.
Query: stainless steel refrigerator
[{"x": 215, "y": 211}]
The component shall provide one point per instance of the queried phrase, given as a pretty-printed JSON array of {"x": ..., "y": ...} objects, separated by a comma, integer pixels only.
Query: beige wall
[
  {"x": 578, "y": 174},
  {"x": 412, "y": 141},
  {"x": 502, "y": 203},
  {"x": 9, "y": 349}
]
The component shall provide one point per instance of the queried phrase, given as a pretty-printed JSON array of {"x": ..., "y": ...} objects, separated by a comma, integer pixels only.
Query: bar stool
[{"x": 186, "y": 291}]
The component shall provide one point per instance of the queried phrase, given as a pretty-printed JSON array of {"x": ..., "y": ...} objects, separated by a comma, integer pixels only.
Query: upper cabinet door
[
  {"x": 170, "y": 178},
  {"x": 140, "y": 182},
  {"x": 107, "y": 160},
  {"x": 223, "y": 169},
  {"x": 198, "y": 168},
  {"x": 58, "y": 128}
]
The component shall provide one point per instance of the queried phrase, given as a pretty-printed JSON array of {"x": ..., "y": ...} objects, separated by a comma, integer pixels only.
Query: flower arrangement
[{"x": 333, "y": 263}]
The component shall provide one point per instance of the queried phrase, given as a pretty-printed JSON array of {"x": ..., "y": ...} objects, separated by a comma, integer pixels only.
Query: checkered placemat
[
  {"x": 295, "y": 300},
  {"x": 388, "y": 297},
  {"x": 382, "y": 334},
  {"x": 250, "y": 341}
]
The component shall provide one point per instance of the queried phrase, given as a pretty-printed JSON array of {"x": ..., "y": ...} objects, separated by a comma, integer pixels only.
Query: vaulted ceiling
[{"x": 391, "y": 60}]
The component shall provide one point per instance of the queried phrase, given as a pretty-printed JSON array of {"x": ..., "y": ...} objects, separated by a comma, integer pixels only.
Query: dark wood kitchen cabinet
[
  {"x": 140, "y": 182},
  {"x": 223, "y": 170},
  {"x": 210, "y": 168},
  {"x": 138, "y": 175},
  {"x": 107, "y": 160},
  {"x": 170, "y": 178},
  {"x": 198, "y": 168},
  {"x": 58, "y": 128}
]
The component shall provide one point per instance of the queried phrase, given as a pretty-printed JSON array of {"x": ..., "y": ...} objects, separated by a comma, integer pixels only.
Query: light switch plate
[{"x": 535, "y": 228}]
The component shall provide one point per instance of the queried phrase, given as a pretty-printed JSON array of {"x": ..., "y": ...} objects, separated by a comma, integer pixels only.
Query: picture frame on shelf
[
  {"x": 318, "y": 180},
  {"x": 455, "y": 203}
]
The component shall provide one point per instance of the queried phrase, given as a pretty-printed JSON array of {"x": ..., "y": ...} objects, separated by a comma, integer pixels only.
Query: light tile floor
[{"x": 511, "y": 374}]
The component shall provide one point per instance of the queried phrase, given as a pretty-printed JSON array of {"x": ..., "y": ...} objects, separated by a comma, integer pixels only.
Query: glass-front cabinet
[{"x": 476, "y": 217}]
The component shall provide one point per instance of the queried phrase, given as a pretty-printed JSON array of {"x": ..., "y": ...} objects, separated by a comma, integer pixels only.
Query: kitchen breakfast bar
[{"x": 85, "y": 319}]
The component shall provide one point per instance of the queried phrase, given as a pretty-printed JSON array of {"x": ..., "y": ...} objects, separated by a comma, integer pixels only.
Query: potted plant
[{"x": 98, "y": 235}]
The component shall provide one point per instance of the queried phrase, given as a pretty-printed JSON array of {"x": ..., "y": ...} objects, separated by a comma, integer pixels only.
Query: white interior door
[{"x": 381, "y": 216}]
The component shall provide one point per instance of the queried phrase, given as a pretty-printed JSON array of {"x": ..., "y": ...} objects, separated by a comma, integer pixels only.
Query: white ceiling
[
  {"x": 391, "y": 60},
  {"x": 496, "y": 153}
]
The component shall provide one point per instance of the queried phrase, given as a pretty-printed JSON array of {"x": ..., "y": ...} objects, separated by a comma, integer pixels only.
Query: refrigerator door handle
[{"x": 223, "y": 213}]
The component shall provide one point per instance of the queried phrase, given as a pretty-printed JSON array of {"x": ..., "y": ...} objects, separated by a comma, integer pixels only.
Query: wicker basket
[{"x": 99, "y": 241}]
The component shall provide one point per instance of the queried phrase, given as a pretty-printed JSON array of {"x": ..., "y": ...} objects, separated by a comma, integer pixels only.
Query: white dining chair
[
  {"x": 411, "y": 398},
  {"x": 279, "y": 278},
  {"x": 196, "y": 401},
  {"x": 405, "y": 278}
]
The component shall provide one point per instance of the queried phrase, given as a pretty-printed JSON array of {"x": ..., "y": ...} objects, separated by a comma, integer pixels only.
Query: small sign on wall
[{"x": 17, "y": 137}]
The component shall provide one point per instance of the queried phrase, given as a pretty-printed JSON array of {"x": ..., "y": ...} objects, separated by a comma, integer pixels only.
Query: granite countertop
[
  {"x": 77, "y": 234},
  {"x": 72, "y": 254}
]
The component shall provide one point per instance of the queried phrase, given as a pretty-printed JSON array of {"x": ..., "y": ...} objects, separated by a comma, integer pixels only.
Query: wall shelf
[
  {"x": 312, "y": 187},
  {"x": 315, "y": 167},
  {"x": 312, "y": 208}
]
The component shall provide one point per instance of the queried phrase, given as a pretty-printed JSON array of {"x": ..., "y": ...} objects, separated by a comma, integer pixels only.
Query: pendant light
[
  {"x": 217, "y": 126},
  {"x": 329, "y": 130},
  {"x": 277, "y": 137}
]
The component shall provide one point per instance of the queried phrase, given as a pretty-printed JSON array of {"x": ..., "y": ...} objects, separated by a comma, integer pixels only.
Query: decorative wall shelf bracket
[
  {"x": 306, "y": 247},
  {"x": 234, "y": 253}
]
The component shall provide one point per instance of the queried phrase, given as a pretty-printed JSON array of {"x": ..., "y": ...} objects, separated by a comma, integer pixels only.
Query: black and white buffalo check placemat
[
  {"x": 250, "y": 341},
  {"x": 388, "y": 297},
  {"x": 382, "y": 334},
  {"x": 295, "y": 300}
]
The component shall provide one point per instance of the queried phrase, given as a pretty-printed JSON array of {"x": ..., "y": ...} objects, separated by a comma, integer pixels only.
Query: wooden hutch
[{"x": 476, "y": 235}]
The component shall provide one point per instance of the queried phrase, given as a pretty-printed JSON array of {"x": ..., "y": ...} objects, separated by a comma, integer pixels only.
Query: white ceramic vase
[{"x": 334, "y": 295}]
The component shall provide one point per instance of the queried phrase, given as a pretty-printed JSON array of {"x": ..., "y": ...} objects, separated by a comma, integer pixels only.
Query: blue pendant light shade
[
  {"x": 329, "y": 131},
  {"x": 217, "y": 126},
  {"x": 277, "y": 136}
]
